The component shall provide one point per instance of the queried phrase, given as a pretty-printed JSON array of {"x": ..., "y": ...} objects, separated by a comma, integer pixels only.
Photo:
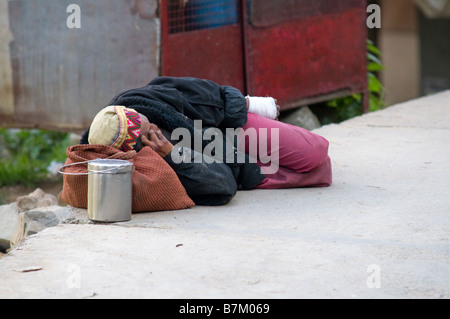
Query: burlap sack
[{"x": 156, "y": 186}]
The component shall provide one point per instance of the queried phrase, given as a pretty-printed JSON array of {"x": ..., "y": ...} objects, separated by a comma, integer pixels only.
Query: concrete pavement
[{"x": 381, "y": 231}]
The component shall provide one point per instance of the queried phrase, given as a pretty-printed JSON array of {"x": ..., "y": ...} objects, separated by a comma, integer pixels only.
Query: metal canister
[{"x": 110, "y": 190}]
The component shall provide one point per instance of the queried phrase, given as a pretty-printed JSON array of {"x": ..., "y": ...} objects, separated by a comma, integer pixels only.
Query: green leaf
[
  {"x": 375, "y": 67},
  {"x": 373, "y": 58},
  {"x": 373, "y": 49},
  {"x": 375, "y": 84},
  {"x": 375, "y": 103}
]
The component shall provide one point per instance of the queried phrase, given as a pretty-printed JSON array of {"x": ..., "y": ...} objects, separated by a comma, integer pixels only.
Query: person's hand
[{"x": 158, "y": 142}]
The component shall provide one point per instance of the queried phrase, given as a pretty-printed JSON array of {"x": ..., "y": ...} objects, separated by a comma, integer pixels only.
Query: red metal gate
[
  {"x": 203, "y": 38},
  {"x": 300, "y": 52},
  {"x": 305, "y": 51}
]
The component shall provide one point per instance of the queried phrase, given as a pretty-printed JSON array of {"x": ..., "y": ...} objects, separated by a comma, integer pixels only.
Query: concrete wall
[
  {"x": 399, "y": 41},
  {"x": 435, "y": 54},
  {"x": 416, "y": 51}
]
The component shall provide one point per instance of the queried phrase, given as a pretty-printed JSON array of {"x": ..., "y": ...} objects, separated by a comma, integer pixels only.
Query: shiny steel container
[{"x": 109, "y": 190}]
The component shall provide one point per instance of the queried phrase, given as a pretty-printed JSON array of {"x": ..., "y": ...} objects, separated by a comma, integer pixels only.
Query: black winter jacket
[{"x": 173, "y": 103}]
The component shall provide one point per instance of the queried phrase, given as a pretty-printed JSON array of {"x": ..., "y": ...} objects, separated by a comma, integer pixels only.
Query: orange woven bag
[{"x": 156, "y": 186}]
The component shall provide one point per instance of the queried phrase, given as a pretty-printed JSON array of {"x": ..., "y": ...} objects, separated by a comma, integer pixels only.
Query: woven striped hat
[{"x": 116, "y": 126}]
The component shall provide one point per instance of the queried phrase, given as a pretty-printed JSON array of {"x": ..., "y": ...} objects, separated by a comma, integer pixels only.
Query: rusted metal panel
[
  {"x": 314, "y": 54},
  {"x": 203, "y": 39},
  {"x": 299, "y": 51},
  {"x": 214, "y": 54},
  {"x": 61, "y": 76},
  {"x": 266, "y": 13}
]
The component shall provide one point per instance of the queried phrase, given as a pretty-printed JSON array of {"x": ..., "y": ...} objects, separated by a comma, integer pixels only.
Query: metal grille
[{"x": 189, "y": 15}]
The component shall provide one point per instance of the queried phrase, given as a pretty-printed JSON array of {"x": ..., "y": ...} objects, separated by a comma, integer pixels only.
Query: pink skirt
[{"x": 302, "y": 156}]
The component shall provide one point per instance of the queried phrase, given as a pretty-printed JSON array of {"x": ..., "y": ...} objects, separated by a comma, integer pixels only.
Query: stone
[
  {"x": 302, "y": 117},
  {"x": 36, "y": 199},
  {"x": 38, "y": 219},
  {"x": 9, "y": 221},
  {"x": 29, "y": 215},
  {"x": 79, "y": 216},
  {"x": 25, "y": 203},
  {"x": 34, "y": 221}
]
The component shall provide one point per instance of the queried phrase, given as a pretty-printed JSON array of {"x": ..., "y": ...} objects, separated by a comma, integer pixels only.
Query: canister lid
[{"x": 110, "y": 166}]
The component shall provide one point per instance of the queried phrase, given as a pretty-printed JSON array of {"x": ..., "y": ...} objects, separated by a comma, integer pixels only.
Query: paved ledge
[{"x": 381, "y": 231}]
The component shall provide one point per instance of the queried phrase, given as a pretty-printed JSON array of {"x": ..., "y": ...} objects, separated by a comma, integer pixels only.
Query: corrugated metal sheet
[
  {"x": 60, "y": 77},
  {"x": 6, "y": 79}
]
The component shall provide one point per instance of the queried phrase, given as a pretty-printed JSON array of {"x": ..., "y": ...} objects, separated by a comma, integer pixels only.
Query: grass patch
[{"x": 27, "y": 154}]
